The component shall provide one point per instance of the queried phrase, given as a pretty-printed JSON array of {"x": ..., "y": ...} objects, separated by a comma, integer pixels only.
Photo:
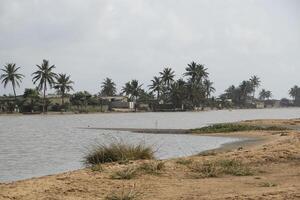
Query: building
[{"x": 55, "y": 99}]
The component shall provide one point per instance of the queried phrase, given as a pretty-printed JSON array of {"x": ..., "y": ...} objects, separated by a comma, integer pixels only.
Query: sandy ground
[{"x": 275, "y": 161}]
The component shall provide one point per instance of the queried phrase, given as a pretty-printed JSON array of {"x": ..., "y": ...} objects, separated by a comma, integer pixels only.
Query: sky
[{"x": 135, "y": 39}]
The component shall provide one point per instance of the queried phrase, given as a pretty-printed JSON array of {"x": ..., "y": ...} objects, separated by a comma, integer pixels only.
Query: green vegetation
[
  {"x": 10, "y": 74},
  {"x": 235, "y": 127},
  {"x": 206, "y": 169},
  {"x": 97, "y": 168},
  {"x": 118, "y": 152},
  {"x": 207, "y": 153},
  {"x": 124, "y": 194},
  {"x": 267, "y": 184},
  {"x": 45, "y": 76},
  {"x": 194, "y": 91},
  {"x": 217, "y": 168},
  {"x": 184, "y": 161},
  {"x": 127, "y": 174},
  {"x": 63, "y": 84},
  {"x": 234, "y": 167},
  {"x": 154, "y": 168}
]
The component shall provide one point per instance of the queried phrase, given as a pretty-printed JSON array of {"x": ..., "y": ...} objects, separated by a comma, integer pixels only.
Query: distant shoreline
[{"x": 122, "y": 112}]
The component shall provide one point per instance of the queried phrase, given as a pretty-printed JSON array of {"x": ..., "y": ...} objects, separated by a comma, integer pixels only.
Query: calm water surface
[{"x": 39, "y": 145}]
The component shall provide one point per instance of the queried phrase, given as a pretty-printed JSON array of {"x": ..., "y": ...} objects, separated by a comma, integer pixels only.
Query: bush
[
  {"x": 118, "y": 152},
  {"x": 152, "y": 167},
  {"x": 234, "y": 167},
  {"x": 206, "y": 169},
  {"x": 216, "y": 168},
  {"x": 124, "y": 194},
  {"x": 128, "y": 173},
  {"x": 184, "y": 161}
]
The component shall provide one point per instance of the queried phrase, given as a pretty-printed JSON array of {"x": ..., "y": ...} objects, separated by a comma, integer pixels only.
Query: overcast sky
[{"x": 135, "y": 39}]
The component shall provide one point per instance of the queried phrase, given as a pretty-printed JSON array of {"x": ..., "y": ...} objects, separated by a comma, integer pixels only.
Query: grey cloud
[{"x": 125, "y": 39}]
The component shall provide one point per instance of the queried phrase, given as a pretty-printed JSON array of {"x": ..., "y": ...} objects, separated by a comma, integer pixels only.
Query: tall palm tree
[
  {"x": 10, "y": 74},
  {"x": 191, "y": 70},
  {"x": 63, "y": 85},
  {"x": 293, "y": 91},
  {"x": 156, "y": 86},
  {"x": 108, "y": 88},
  {"x": 255, "y": 81},
  {"x": 167, "y": 76},
  {"x": 45, "y": 76},
  {"x": 132, "y": 89},
  {"x": 196, "y": 72},
  {"x": 265, "y": 94},
  {"x": 208, "y": 85}
]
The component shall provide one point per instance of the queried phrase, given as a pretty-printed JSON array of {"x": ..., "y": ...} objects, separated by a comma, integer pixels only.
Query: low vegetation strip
[
  {"x": 217, "y": 168},
  {"x": 236, "y": 127},
  {"x": 118, "y": 152}
]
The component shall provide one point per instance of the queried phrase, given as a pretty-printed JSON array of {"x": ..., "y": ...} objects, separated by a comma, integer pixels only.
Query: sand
[{"x": 274, "y": 160}]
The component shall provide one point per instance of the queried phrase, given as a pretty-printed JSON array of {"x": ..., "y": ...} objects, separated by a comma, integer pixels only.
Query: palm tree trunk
[
  {"x": 44, "y": 101},
  {"x": 14, "y": 89},
  {"x": 63, "y": 100},
  {"x": 15, "y": 96}
]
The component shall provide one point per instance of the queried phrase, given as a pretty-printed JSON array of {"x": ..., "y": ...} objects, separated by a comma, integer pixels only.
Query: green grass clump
[
  {"x": 217, "y": 168},
  {"x": 235, "y": 127},
  {"x": 206, "y": 169},
  {"x": 124, "y": 194},
  {"x": 235, "y": 167},
  {"x": 152, "y": 167},
  {"x": 184, "y": 161},
  {"x": 268, "y": 184},
  {"x": 125, "y": 174},
  {"x": 118, "y": 152},
  {"x": 97, "y": 168}
]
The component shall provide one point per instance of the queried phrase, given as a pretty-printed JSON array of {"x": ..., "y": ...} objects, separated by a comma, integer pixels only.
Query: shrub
[
  {"x": 118, "y": 152},
  {"x": 152, "y": 167},
  {"x": 216, "y": 168},
  {"x": 184, "y": 161},
  {"x": 97, "y": 168},
  {"x": 124, "y": 194},
  {"x": 128, "y": 173},
  {"x": 206, "y": 169},
  {"x": 234, "y": 167},
  {"x": 268, "y": 184}
]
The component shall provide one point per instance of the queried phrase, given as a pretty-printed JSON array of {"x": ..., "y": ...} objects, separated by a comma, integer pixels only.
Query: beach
[{"x": 274, "y": 161}]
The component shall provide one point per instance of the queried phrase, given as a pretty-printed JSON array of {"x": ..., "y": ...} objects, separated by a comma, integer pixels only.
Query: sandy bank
[{"x": 274, "y": 160}]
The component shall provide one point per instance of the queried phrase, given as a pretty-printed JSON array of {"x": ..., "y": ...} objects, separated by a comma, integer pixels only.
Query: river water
[{"x": 32, "y": 146}]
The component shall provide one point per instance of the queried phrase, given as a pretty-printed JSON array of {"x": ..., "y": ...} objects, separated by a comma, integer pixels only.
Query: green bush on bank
[
  {"x": 118, "y": 152},
  {"x": 232, "y": 127}
]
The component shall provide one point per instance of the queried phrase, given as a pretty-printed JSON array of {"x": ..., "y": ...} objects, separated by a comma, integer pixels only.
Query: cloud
[{"x": 126, "y": 39}]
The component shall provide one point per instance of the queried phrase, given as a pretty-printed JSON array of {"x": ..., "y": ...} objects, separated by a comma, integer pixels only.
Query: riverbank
[{"x": 272, "y": 163}]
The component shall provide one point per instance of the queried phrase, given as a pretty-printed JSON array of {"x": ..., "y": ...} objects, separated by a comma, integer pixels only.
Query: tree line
[{"x": 193, "y": 91}]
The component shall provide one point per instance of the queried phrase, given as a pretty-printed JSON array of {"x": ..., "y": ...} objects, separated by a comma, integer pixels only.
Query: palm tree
[
  {"x": 108, "y": 88},
  {"x": 196, "y": 72},
  {"x": 11, "y": 75},
  {"x": 255, "y": 81},
  {"x": 45, "y": 76},
  {"x": 63, "y": 84},
  {"x": 246, "y": 89},
  {"x": 156, "y": 85},
  {"x": 191, "y": 70},
  {"x": 127, "y": 89},
  {"x": 208, "y": 85},
  {"x": 132, "y": 89},
  {"x": 293, "y": 92},
  {"x": 265, "y": 94},
  {"x": 167, "y": 76}
]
